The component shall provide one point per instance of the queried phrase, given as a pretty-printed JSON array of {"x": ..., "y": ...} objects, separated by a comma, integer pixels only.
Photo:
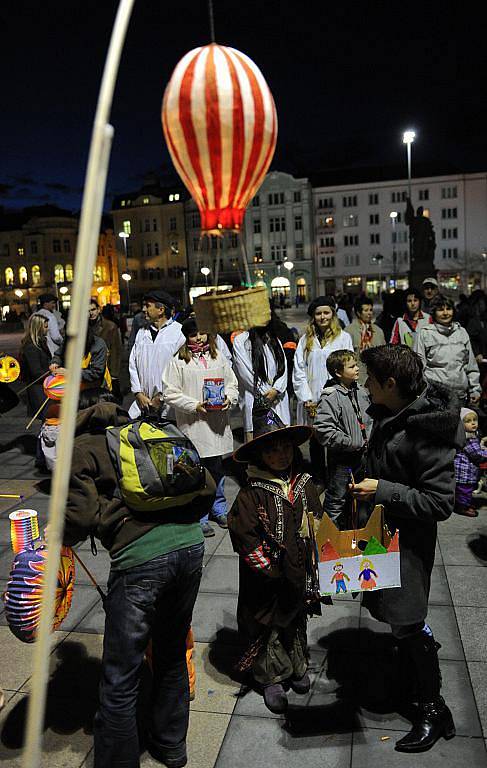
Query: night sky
[{"x": 347, "y": 79}]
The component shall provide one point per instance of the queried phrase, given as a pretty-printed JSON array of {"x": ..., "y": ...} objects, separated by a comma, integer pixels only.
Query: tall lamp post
[
  {"x": 205, "y": 271},
  {"x": 407, "y": 139},
  {"x": 393, "y": 218},
  {"x": 289, "y": 266},
  {"x": 378, "y": 259},
  {"x": 126, "y": 275}
]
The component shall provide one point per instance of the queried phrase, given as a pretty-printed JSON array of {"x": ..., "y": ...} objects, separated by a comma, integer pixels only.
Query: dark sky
[{"x": 347, "y": 78}]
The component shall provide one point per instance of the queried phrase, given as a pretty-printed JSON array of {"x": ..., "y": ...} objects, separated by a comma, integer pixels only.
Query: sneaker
[
  {"x": 220, "y": 520},
  {"x": 207, "y": 530},
  {"x": 466, "y": 511}
]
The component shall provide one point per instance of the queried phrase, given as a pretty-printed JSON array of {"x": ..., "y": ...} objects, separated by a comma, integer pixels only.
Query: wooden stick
[
  {"x": 11, "y": 496},
  {"x": 36, "y": 414},
  {"x": 91, "y": 212},
  {"x": 91, "y": 577},
  {"x": 33, "y": 382}
]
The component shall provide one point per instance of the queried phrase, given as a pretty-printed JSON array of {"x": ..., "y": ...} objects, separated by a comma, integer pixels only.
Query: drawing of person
[
  {"x": 365, "y": 575},
  {"x": 339, "y": 578}
]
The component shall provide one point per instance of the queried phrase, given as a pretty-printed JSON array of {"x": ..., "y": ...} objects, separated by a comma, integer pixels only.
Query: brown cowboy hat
[{"x": 266, "y": 425}]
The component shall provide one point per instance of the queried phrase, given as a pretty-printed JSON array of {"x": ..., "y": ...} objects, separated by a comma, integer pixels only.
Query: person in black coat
[
  {"x": 410, "y": 472},
  {"x": 35, "y": 361}
]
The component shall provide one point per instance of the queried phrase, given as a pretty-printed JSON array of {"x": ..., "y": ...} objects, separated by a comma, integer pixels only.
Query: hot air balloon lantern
[{"x": 220, "y": 124}]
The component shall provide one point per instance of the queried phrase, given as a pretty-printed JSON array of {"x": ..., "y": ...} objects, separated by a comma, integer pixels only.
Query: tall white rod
[{"x": 91, "y": 213}]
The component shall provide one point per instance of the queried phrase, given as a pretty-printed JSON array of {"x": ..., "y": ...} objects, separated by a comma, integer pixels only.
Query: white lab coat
[
  {"x": 310, "y": 373},
  {"x": 54, "y": 338},
  {"x": 148, "y": 359},
  {"x": 183, "y": 390},
  {"x": 223, "y": 348},
  {"x": 242, "y": 363}
]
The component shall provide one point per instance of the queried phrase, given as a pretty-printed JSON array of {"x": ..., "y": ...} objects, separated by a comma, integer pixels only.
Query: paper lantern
[
  {"x": 220, "y": 124},
  {"x": 23, "y": 595},
  {"x": 54, "y": 387},
  {"x": 9, "y": 369}
]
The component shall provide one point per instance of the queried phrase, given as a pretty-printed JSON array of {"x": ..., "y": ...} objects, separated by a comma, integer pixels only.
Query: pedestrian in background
[
  {"x": 109, "y": 332},
  {"x": 467, "y": 462},
  {"x": 430, "y": 290},
  {"x": 364, "y": 331},
  {"x": 413, "y": 319},
  {"x": 47, "y": 308}
]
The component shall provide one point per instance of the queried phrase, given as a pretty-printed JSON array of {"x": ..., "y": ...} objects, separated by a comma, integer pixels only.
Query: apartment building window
[
  {"x": 233, "y": 240},
  {"x": 326, "y": 202},
  {"x": 448, "y": 213},
  {"x": 299, "y": 251},
  {"x": 257, "y": 254},
  {"x": 156, "y": 249},
  {"x": 275, "y": 198},
  {"x": 22, "y": 275},
  {"x": 278, "y": 252},
  {"x": 148, "y": 250},
  {"x": 373, "y": 198},
  {"x": 399, "y": 197},
  {"x": 67, "y": 246},
  {"x": 56, "y": 247},
  {"x": 424, "y": 194},
  {"x": 195, "y": 220},
  {"x": 297, "y": 196},
  {"x": 374, "y": 238},
  {"x": 174, "y": 246},
  {"x": 154, "y": 225},
  {"x": 349, "y": 201},
  {"x": 68, "y": 273},
  {"x": 448, "y": 193},
  {"x": 277, "y": 224},
  {"x": 350, "y": 220},
  {"x": 256, "y": 201},
  {"x": 373, "y": 218},
  {"x": 33, "y": 246},
  {"x": 59, "y": 273},
  {"x": 127, "y": 227},
  {"x": 327, "y": 262},
  {"x": 256, "y": 226},
  {"x": 9, "y": 276},
  {"x": 36, "y": 274},
  {"x": 399, "y": 237},
  {"x": 298, "y": 222},
  {"x": 328, "y": 222},
  {"x": 449, "y": 234},
  {"x": 173, "y": 224},
  {"x": 350, "y": 240},
  {"x": 327, "y": 242},
  {"x": 449, "y": 253},
  {"x": 147, "y": 225},
  {"x": 215, "y": 241},
  {"x": 173, "y": 198},
  {"x": 352, "y": 259}
]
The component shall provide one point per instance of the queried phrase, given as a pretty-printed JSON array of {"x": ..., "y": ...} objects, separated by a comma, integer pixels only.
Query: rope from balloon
[
  {"x": 212, "y": 20},
  {"x": 91, "y": 212},
  {"x": 33, "y": 382},
  {"x": 91, "y": 578}
]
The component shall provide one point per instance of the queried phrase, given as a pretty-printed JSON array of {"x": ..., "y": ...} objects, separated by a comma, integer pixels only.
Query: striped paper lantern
[{"x": 220, "y": 124}]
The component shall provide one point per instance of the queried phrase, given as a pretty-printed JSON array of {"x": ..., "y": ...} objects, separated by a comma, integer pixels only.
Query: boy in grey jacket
[{"x": 342, "y": 425}]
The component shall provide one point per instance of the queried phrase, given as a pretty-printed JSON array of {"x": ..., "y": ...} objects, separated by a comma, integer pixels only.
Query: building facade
[
  {"x": 37, "y": 252},
  {"x": 154, "y": 252},
  {"x": 362, "y": 239}
]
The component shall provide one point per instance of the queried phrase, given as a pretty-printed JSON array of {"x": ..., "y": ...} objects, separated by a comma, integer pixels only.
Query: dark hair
[
  {"x": 94, "y": 301},
  {"x": 440, "y": 301},
  {"x": 361, "y": 302},
  {"x": 335, "y": 362},
  {"x": 258, "y": 462},
  {"x": 259, "y": 336},
  {"x": 398, "y": 362},
  {"x": 93, "y": 396},
  {"x": 413, "y": 292},
  {"x": 90, "y": 337}
]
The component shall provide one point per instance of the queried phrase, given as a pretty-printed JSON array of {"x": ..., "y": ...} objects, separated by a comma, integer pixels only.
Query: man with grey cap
[
  {"x": 154, "y": 346},
  {"x": 430, "y": 290}
]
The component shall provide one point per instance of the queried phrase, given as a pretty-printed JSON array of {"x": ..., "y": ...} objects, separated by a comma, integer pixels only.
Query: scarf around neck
[{"x": 199, "y": 351}]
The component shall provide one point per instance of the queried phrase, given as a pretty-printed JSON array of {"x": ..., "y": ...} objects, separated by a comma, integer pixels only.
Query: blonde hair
[
  {"x": 332, "y": 332},
  {"x": 35, "y": 332}
]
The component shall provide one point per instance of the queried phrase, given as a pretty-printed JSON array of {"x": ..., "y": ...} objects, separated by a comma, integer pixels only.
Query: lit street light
[
  {"x": 408, "y": 138},
  {"x": 205, "y": 271},
  {"x": 126, "y": 275}
]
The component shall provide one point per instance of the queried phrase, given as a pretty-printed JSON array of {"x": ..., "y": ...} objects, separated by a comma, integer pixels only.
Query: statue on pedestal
[{"x": 422, "y": 244}]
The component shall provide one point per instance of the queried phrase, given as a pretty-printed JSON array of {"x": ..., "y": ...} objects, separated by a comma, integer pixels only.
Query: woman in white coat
[
  {"x": 260, "y": 364},
  {"x": 209, "y": 430},
  {"x": 322, "y": 337}
]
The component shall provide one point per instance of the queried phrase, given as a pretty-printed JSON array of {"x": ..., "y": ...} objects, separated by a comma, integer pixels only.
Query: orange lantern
[{"x": 220, "y": 124}]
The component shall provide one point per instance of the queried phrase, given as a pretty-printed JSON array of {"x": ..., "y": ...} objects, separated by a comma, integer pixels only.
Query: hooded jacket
[
  {"x": 337, "y": 425},
  {"x": 411, "y": 453},
  {"x": 94, "y": 505},
  {"x": 448, "y": 357}
]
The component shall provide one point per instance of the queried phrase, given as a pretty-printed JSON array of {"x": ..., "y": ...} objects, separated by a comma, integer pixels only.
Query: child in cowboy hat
[{"x": 271, "y": 528}]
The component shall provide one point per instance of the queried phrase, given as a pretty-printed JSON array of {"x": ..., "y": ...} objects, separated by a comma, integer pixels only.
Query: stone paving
[{"x": 342, "y": 722}]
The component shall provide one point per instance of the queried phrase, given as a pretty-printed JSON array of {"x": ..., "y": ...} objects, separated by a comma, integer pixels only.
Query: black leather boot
[{"x": 434, "y": 720}]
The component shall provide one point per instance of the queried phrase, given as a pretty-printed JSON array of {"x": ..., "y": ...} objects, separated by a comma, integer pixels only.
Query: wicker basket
[{"x": 227, "y": 312}]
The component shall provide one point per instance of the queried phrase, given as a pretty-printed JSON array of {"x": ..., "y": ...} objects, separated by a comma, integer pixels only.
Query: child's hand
[
  {"x": 200, "y": 408},
  {"x": 226, "y": 404},
  {"x": 483, "y": 442}
]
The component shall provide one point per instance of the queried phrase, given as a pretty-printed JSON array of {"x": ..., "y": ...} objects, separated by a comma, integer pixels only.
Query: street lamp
[
  {"x": 126, "y": 275},
  {"x": 393, "y": 218},
  {"x": 63, "y": 289},
  {"x": 408, "y": 138},
  {"x": 205, "y": 271},
  {"x": 378, "y": 258}
]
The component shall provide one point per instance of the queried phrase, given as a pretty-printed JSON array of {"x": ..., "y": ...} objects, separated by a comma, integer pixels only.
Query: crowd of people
[{"x": 390, "y": 409}]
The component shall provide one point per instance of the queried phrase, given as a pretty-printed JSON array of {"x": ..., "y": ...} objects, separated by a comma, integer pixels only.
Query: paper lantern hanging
[
  {"x": 9, "y": 369},
  {"x": 220, "y": 124},
  {"x": 54, "y": 387},
  {"x": 23, "y": 594}
]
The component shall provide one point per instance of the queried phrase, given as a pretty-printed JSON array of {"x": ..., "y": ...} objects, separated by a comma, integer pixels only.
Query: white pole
[{"x": 91, "y": 213}]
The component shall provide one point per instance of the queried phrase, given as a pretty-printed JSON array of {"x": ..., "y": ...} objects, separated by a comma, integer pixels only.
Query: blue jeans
[
  {"x": 214, "y": 465},
  {"x": 336, "y": 503},
  {"x": 155, "y": 600}
]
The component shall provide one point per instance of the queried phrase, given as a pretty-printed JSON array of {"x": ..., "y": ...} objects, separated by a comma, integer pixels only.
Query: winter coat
[
  {"x": 94, "y": 373},
  {"x": 242, "y": 364},
  {"x": 355, "y": 331},
  {"x": 411, "y": 453},
  {"x": 55, "y": 338},
  {"x": 148, "y": 360},
  {"x": 94, "y": 506},
  {"x": 405, "y": 330},
  {"x": 210, "y": 433},
  {"x": 468, "y": 460},
  {"x": 336, "y": 425},
  {"x": 265, "y": 531},
  {"x": 35, "y": 362},
  {"x": 448, "y": 358},
  {"x": 310, "y": 373},
  {"x": 110, "y": 333}
]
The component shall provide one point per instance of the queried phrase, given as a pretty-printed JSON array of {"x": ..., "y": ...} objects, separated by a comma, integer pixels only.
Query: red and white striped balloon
[{"x": 220, "y": 125}]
